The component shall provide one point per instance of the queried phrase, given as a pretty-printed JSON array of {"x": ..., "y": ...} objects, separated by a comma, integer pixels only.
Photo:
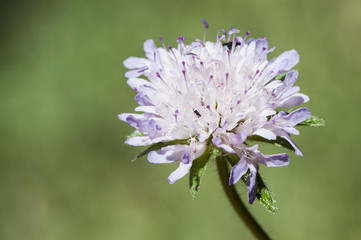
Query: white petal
[
  {"x": 135, "y": 62},
  {"x": 179, "y": 172},
  {"x": 267, "y": 134},
  {"x": 294, "y": 100}
]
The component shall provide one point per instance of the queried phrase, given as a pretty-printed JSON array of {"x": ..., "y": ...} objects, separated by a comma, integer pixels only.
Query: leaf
[
  {"x": 313, "y": 121},
  {"x": 279, "y": 142},
  {"x": 198, "y": 169}
]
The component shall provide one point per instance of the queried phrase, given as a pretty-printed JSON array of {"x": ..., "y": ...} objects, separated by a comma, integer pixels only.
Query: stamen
[
  {"x": 185, "y": 78},
  {"x": 224, "y": 33},
  {"x": 210, "y": 78},
  {"x": 171, "y": 49},
  {"x": 206, "y": 26},
  {"x": 161, "y": 40},
  {"x": 227, "y": 74},
  {"x": 247, "y": 33},
  {"x": 176, "y": 115}
]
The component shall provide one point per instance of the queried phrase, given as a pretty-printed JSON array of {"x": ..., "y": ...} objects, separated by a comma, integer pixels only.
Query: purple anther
[
  {"x": 245, "y": 92},
  {"x": 227, "y": 74},
  {"x": 202, "y": 103},
  {"x": 257, "y": 71},
  {"x": 206, "y": 25},
  {"x": 158, "y": 75},
  {"x": 208, "y": 107},
  {"x": 273, "y": 104},
  {"x": 238, "y": 102},
  {"x": 135, "y": 89},
  {"x": 176, "y": 111},
  {"x": 170, "y": 47},
  {"x": 184, "y": 72},
  {"x": 263, "y": 48},
  {"x": 183, "y": 63},
  {"x": 201, "y": 63},
  {"x": 181, "y": 39},
  {"x": 247, "y": 33}
]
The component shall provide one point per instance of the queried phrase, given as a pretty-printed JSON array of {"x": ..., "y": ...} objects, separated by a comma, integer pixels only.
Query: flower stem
[{"x": 237, "y": 203}]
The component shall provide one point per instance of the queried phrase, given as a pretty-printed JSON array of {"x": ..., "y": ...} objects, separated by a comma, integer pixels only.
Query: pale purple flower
[{"x": 214, "y": 93}]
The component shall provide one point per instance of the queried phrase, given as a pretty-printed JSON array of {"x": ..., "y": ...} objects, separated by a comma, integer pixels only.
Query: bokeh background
[{"x": 65, "y": 172}]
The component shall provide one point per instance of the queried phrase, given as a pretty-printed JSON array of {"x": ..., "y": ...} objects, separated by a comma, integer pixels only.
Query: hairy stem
[{"x": 237, "y": 203}]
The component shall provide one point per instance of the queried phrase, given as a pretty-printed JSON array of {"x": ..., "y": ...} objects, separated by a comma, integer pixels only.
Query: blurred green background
[{"x": 65, "y": 172}]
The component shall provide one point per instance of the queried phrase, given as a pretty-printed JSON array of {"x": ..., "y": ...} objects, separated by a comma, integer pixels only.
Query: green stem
[{"x": 237, "y": 203}]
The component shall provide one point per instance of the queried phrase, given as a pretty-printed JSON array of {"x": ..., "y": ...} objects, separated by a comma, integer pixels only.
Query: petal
[
  {"x": 238, "y": 138},
  {"x": 238, "y": 171},
  {"x": 261, "y": 50},
  {"x": 186, "y": 158},
  {"x": 292, "y": 59},
  {"x": 139, "y": 141},
  {"x": 180, "y": 172},
  {"x": 218, "y": 142},
  {"x": 282, "y": 63},
  {"x": 291, "y": 78},
  {"x": 146, "y": 109},
  {"x": 167, "y": 154},
  {"x": 133, "y": 73},
  {"x": 276, "y": 160},
  {"x": 293, "y": 144},
  {"x": 294, "y": 100},
  {"x": 150, "y": 48},
  {"x": 135, "y": 62},
  {"x": 297, "y": 116},
  {"x": 267, "y": 134},
  {"x": 138, "y": 121},
  {"x": 251, "y": 184},
  {"x": 136, "y": 82}
]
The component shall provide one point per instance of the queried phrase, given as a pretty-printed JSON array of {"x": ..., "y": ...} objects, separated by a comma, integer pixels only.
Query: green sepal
[
  {"x": 135, "y": 133},
  {"x": 281, "y": 76},
  {"x": 313, "y": 121},
  {"x": 198, "y": 169},
  {"x": 279, "y": 142},
  {"x": 265, "y": 196},
  {"x": 158, "y": 146}
]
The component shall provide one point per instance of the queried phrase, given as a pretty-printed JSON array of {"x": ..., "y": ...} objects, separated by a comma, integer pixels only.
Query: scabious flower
[{"x": 215, "y": 94}]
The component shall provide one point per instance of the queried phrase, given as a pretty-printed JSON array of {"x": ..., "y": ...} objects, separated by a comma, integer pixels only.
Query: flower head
[{"x": 218, "y": 94}]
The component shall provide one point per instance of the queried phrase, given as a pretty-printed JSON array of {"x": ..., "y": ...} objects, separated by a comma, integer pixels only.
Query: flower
[{"x": 218, "y": 93}]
